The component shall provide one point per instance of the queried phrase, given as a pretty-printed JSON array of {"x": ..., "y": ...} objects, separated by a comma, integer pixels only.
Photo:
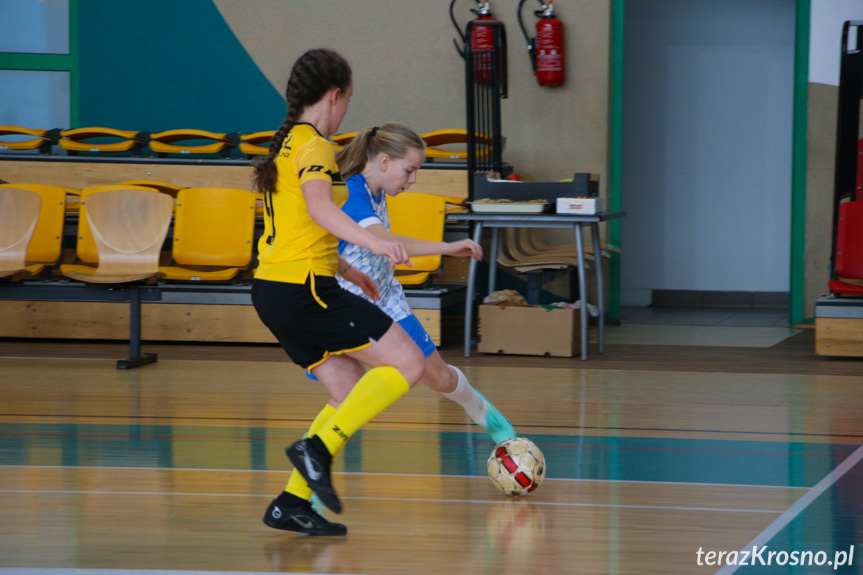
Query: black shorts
[{"x": 310, "y": 333}]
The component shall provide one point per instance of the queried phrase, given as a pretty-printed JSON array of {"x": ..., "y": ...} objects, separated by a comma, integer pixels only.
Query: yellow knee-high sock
[
  {"x": 296, "y": 484},
  {"x": 379, "y": 388}
]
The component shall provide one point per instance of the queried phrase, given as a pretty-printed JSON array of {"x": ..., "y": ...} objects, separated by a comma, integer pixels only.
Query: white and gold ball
[{"x": 516, "y": 466}]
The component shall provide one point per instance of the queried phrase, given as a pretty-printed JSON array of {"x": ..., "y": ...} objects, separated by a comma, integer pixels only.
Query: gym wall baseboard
[{"x": 707, "y": 299}]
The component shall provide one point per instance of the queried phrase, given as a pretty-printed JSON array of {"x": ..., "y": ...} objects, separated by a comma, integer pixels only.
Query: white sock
[{"x": 467, "y": 397}]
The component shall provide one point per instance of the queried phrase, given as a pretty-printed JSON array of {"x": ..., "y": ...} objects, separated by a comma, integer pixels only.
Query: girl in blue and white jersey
[{"x": 383, "y": 161}]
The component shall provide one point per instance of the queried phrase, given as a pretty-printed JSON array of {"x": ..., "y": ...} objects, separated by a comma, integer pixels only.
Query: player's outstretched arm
[
  {"x": 319, "y": 201},
  {"x": 417, "y": 247}
]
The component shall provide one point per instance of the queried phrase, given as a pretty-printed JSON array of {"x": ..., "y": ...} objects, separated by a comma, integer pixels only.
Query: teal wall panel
[{"x": 162, "y": 64}]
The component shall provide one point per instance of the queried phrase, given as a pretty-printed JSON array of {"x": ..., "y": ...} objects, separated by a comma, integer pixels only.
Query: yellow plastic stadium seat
[
  {"x": 42, "y": 141},
  {"x": 213, "y": 234},
  {"x": 164, "y": 187},
  {"x": 455, "y": 204},
  {"x": 46, "y": 245},
  {"x": 343, "y": 139},
  {"x": 73, "y": 200},
  {"x": 86, "y": 250},
  {"x": 257, "y": 144},
  {"x": 439, "y": 138},
  {"x": 128, "y": 227},
  {"x": 19, "y": 212},
  {"x": 418, "y": 216},
  {"x": 443, "y": 137},
  {"x": 163, "y": 142},
  {"x": 76, "y": 140},
  {"x": 260, "y": 209},
  {"x": 445, "y": 154}
]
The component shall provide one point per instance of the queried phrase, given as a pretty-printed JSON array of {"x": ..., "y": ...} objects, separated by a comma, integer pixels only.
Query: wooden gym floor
[{"x": 679, "y": 438}]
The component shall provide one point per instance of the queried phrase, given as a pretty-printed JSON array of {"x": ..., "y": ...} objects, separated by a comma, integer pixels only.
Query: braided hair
[
  {"x": 393, "y": 139},
  {"x": 312, "y": 76}
]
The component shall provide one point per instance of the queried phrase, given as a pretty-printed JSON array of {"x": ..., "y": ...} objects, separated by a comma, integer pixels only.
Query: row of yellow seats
[
  {"x": 73, "y": 194},
  {"x": 166, "y": 142},
  {"x": 212, "y": 240},
  {"x": 76, "y": 140}
]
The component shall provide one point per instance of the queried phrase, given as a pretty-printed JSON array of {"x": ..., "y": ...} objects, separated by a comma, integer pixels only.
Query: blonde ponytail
[{"x": 393, "y": 139}]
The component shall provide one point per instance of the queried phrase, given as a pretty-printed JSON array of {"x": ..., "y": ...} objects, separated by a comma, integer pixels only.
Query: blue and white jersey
[{"x": 367, "y": 209}]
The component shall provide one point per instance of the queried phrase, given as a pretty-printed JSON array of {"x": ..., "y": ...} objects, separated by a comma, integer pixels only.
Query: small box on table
[
  {"x": 582, "y": 206},
  {"x": 531, "y": 330}
]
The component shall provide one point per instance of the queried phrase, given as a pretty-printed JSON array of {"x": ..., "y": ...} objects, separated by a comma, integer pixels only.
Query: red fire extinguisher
[
  {"x": 546, "y": 50},
  {"x": 482, "y": 38}
]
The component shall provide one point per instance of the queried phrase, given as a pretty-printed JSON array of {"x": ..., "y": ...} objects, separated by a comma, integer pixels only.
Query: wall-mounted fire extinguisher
[
  {"x": 546, "y": 49},
  {"x": 482, "y": 38}
]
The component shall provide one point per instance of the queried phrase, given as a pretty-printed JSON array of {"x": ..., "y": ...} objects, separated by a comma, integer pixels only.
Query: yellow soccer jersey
[{"x": 293, "y": 244}]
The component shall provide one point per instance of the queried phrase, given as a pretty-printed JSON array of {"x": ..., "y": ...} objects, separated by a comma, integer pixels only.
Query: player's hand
[
  {"x": 365, "y": 283},
  {"x": 397, "y": 253},
  {"x": 465, "y": 248}
]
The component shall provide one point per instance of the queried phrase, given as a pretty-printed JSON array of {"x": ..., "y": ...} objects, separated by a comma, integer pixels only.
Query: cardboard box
[
  {"x": 533, "y": 330},
  {"x": 584, "y": 206}
]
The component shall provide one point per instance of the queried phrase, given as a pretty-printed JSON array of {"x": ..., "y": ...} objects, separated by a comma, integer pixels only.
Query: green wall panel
[{"x": 162, "y": 64}]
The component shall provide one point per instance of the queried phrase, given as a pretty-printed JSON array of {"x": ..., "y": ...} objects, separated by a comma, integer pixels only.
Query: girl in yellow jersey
[{"x": 323, "y": 328}]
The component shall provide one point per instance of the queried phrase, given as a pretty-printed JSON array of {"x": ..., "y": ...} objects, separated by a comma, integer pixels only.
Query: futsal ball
[{"x": 516, "y": 466}]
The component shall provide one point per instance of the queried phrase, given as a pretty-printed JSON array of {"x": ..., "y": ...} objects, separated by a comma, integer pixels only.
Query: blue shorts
[{"x": 411, "y": 324}]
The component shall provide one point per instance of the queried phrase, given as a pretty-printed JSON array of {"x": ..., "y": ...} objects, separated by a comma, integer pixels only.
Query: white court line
[
  {"x": 801, "y": 504},
  {"x": 369, "y": 473},
  {"x": 400, "y": 499}
]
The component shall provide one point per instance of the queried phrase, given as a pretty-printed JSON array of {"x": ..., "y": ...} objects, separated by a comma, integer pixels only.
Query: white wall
[
  {"x": 34, "y": 27},
  {"x": 707, "y": 117},
  {"x": 406, "y": 69},
  {"x": 825, "y": 33},
  {"x": 34, "y": 99}
]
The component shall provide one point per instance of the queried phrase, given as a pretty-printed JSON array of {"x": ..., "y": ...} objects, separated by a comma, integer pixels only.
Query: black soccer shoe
[
  {"x": 301, "y": 518},
  {"x": 312, "y": 459}
]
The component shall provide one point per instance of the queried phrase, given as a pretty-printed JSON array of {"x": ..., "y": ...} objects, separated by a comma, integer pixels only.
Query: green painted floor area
[
  {"x": 729, "y": 462},
  {"x": 824, "y": 521}
]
